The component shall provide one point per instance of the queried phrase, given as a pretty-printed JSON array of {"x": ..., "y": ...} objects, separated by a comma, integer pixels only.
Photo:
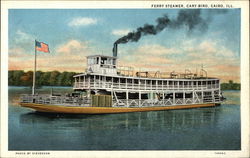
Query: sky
[{"x": 73, "y": 34}]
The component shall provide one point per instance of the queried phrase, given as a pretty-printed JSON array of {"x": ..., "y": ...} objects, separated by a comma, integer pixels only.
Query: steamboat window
[
  {"x": 153, "y": 82},
  {"x": 91, "y": 61},
  {"x": 165, "y": 82},
  {"x": 108, "y": 79},
  {"x": 148, "y": 81},
  {"x": 129, "y": 80},
  {"x": 208, "y": 93},
  {"x": 123, "y": 80},
  {"x": 181, "y": 83},
  {"x": 115, "y": 80},
  {"x": 91, "y": 78},
  {"x": 103, "y": 60},
  {"x": 136, "y": 81}
]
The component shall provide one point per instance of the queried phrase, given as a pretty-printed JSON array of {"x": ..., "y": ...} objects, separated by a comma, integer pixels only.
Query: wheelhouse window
[{"x": 108, "y": 62}]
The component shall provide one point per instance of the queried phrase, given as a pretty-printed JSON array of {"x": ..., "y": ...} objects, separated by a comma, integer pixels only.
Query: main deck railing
[
  {"x": 55, "y": 100},
  {"x": 131, "y": 86},
  {"x": 164, "y": 102},
  {"x": 78, "y": 101}
]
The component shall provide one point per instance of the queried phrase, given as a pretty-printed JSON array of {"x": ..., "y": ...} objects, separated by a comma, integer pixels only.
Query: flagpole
[{"x": 34, "y": 73}]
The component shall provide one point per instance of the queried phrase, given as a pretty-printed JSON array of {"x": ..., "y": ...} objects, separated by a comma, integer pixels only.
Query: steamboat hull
[{"x": 106, "y": 110}]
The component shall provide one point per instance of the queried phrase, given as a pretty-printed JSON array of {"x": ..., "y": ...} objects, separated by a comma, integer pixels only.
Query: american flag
[{"x": 42, "y": 47}]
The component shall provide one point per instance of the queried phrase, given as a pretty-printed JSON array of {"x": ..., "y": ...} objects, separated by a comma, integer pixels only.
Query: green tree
[
  {"x": 39, "y": 75},
  {"x": 27, "y": 79},
  {"x": 45, "y": 78},
  {"x": 14, "y": 77},
  {"x": 53, "y": 78}
]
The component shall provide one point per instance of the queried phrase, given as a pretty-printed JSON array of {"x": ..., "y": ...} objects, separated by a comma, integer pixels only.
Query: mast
[{"x": 34, "y": 73}]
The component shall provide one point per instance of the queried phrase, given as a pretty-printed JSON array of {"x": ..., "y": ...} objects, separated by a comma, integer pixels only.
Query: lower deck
[{"x": 126, "y": 99}]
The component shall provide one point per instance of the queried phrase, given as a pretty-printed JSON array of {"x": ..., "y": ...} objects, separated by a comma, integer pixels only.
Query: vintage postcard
[{"x": 124, "y": 79}]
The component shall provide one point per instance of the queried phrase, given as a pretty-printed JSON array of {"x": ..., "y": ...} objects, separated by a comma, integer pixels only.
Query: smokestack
[{"x": 115, "y": 50}]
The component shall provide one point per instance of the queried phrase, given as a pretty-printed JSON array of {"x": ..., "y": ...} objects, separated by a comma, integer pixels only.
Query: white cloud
[
  {"x": 73, "y": 47},
  {"x": 23, "y": 37},
  {"x": 82, "y": 21},
  {"x": 213, "y": 49},
  {"x": 120, "y": 32}
]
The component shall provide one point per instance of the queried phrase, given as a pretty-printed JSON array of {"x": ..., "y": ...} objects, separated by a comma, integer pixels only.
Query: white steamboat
[{"x": 105, "y": 88}]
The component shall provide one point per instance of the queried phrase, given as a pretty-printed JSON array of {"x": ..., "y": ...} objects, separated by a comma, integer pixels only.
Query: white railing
[
  {"x": 55, "y": 100},
  {"x": 105, "y": 85},
  {"x": 162, "y": 102}
]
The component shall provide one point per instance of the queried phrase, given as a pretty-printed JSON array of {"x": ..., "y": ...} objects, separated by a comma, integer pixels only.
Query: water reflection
[{"x": 174, "y": 119}]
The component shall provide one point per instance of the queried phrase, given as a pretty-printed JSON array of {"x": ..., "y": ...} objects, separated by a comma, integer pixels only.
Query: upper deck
[
  {"x": 124, "y": 83},
  {"x": 103, "y": 74}
]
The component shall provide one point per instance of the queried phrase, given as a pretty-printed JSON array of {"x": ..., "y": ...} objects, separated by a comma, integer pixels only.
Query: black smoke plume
[{"x": 191, "y": 18}]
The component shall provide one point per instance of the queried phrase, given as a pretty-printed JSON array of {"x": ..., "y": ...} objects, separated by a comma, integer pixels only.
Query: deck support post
[
  {"x": 163, "y": 97},
  {"x": 139, "y": 98},
  {"x": 127, "y": 98},
  {"x": 139, "y": 84},
  {"x": 94, "y": 80},
  {"x": 213, "y": 96},
  {"x": 133, "y": 83},
  {"x": 112, "y": 81},
  {"x": 119, "y": 82},
  {"x": 112, "y": 97},
  {"x": 100, "y": 81},
  {"x": 202, "y": 96},
  {"x": 173, "y": 98},
  {"x": 151, "y": 85},
  {"x": 126, "y": 83},
  {"x": 89, "y": 88},
  {"x": 84, "y": 81},
  {"x": 151, "y": 96},
  {"x": 193, "y": 96},
  {"x": 184, "y": 102}
]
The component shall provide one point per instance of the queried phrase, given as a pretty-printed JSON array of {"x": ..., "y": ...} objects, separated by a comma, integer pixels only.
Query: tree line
[
  {"x": 50, "y": 78},
  {"x": 230, "y": 86},
  {"x": 56, "y": 78}
]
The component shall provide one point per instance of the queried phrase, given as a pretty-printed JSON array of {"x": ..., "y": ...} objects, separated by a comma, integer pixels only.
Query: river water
[{"x": 215, "y": 128}]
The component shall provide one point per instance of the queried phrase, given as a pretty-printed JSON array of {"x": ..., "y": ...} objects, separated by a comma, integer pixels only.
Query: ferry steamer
[{"x": 105, "y": 88}]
